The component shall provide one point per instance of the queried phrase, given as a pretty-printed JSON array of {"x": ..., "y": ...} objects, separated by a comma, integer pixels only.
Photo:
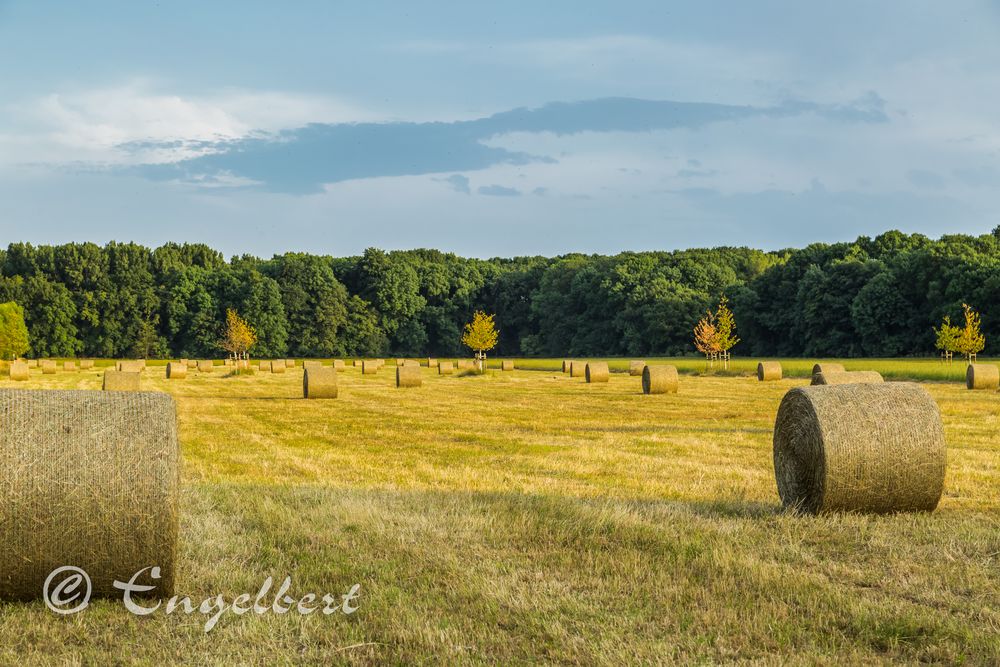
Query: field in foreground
[{"x": 530, "y": 517}]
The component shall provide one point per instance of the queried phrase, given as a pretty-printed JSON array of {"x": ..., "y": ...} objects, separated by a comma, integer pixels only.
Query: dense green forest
[{"x": 872, "y": 297}]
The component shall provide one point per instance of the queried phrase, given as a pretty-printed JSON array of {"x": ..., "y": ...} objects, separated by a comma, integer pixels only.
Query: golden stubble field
[{"x": 530, "y": 517}]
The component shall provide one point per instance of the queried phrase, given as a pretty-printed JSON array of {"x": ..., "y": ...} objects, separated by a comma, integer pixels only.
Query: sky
[{"x": 524, "y": 128}]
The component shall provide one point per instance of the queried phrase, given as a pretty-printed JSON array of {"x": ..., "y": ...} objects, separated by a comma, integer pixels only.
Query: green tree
[
  {"x": 480, "y": 335},
  {"x": 13, "y": 331}
]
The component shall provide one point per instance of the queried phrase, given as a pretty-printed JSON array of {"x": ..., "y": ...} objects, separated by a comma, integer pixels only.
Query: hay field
[{"x": 529, "y": 517}]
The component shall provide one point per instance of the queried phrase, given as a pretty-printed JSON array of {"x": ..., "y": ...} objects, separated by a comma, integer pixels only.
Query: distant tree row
[{"x": 872, "y": 297}]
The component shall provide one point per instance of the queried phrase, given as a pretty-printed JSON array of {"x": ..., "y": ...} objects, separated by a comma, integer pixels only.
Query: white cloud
[{"x": 91, "y": 126}]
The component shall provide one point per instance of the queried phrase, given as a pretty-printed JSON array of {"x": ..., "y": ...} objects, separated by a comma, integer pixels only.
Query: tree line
[{"x": 879, "y": 296}]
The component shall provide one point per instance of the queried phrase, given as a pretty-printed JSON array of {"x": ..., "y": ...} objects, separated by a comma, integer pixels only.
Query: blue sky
[{"x": 529, "y": 128}]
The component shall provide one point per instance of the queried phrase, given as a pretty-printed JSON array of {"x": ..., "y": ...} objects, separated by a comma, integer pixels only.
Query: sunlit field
[{"x": 530, "y": 517}]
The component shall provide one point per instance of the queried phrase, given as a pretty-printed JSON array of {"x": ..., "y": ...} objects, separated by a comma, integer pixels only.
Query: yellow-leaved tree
[
  {"x": 725, "y": 329},
  {"x": 239, "y": 336},
  {"x": 706, "y": 337},
  {"x": 481, "y": 335},
  {"x": 971, "y": 341}
]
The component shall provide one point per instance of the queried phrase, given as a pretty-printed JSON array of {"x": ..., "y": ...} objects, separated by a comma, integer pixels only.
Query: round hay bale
[
  {"x": 312, "y": 364},
  {"x": 132, "y": 366},
  {"x": 409, "y": 376},
  {"x": 596, "y": 371},
  {"x": 228, "y": 362},
  {"x": 577, "y": 369},
  {"x": 176, "y": 371},
  {"x": 289, "y": 363},
  {"x": 635, "y": 367},
  {"x": 192, "y": 363},
  {"x": 357, "y": 362},
  {"x": 32, "y": 363},
  {"x": 121, "y": 380},
  {"x": 369, "y": 367},
  {"x": 466, "y": 365},
  {"x": 142, "y": 362},
  {"x": 242, "y": 365},
  {"x": 566, "y": 364},
  {"x": 264, "y": 367},
  {"x": 768, "y": 371},
  {"x": 412, "y": 362},
  {"x": 380, "y": 362},
  {"x": 206, "y": 366},
  {"x": 432, "y": 363},
  {"x": 86, "y": 364},
  {"x": 339, "y": 364},
  {"x": 827, "y": 368},
  {"x": 659, "y": 380},
  {"x": 445, "y": 368},
  {"x": 319, "y": 382},
  {"x": 69, "y": 366},
  {"x": 507, "y": 365},
  {"x": 400, "y": 362},
  {"x": 278, "y": 366},
  {"x": 859, "y": 448},
  {"x": 90, "y": 479},
  {"x": 982, "y": 376},
  {"x": 19, "y": 371},
  {"x": 847, "y": 377},
  {"x": 48, "y": 366}
]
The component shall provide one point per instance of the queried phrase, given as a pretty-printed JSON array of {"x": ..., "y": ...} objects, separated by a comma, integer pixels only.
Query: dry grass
[{"x": 527, "y": 517}]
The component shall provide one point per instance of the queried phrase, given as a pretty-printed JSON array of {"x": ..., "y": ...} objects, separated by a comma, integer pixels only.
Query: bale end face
[
  {"x": 768, "y": 371},
  {"x": 319, "y": 382},
  {"x": 635, "y": 367},
  {"x": 982, "y": 376},
  {"x": 659, "y": 380},
  {"x": 408, "y": 376},
  {"x": 875, "y": 448},
  {"x": 596, "y": 371},
  {"x": 176, "y": 371}
]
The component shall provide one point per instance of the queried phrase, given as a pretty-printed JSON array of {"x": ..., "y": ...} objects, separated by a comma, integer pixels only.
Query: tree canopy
[{"x": 879, "y": 296}]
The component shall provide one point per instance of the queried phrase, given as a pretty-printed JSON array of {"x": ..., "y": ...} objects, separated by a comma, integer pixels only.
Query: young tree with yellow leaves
[
  {"x": 971, "y": 341},
  {"x": 725, "y": 330},
  {"x": 239, "y": 336},
  {"x": 706, "y": 337},
  {"x": 481, "y": 335}
]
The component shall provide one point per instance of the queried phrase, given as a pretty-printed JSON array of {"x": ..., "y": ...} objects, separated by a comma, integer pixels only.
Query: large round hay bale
[
  {"x": 130, "y": 366},
  {"x": 176, "y": 370},
  {"x": 847, "y": 377},
  {"x": 596, "y": 371},
  {"x": 408, "y": 376},
  {"x": 507, "y": 365},
  {"x": 369, "y": 367},
  {"x": 859, "y": 448},
  {"x": 121, "y": 380},
  {"x": 431, "y": 362},
  {"x": 90, "y": 479},
  {"x": 142, "y": 362},
  {"x": 48, "y": 366},
  {"x": 635, "y": 367},
  {"x": 312, "y": 364},
  {"x": 982, "y": 376},
  {"x": 827, "y": 368},
  {"x": 412, "y": 362},
  {"x": 400, "y": 362},
  {"x": 278, "y": 366},
  {"x": 319, "y": 382},
  {"x": 264, "y": 367},
  {"x": 445, "y": 368},
  {"x": 566, "y": 364},
  {"x": 19, "y": 371},
  {"x": 659, "y": 380},
  {"x": 206, "y": 366},
  {"x": 769, "y": 371},
  {"x": 69, "y": 366},
  {"x": 357, "y": 362},
  {"x": 289, "y": 363},
  {"x": 466, "y": 365},
  {"x": 32, "y": 363},
  {"x": 192, "y": 363},
  {"x": 577, "y": 369},
  {"x": 86, "y": 364},
  {"x": 380, "y": 363},
  {"x": 339, "y": 364}
]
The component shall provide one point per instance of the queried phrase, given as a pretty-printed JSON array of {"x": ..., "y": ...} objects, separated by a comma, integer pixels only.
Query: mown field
[{"x": 528, "y": 517}]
